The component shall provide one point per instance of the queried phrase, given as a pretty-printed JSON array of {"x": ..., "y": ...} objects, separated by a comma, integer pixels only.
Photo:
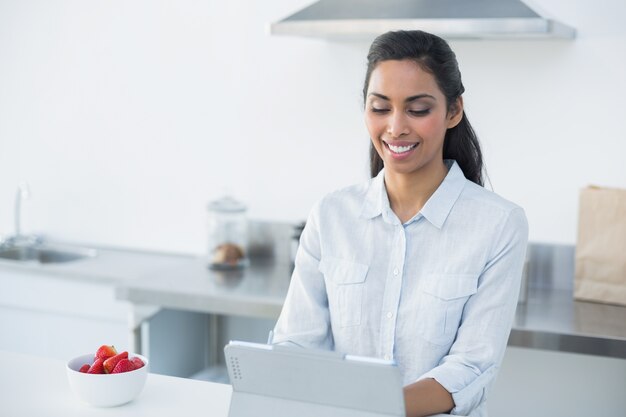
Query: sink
[{"x": 46, "y": 254}]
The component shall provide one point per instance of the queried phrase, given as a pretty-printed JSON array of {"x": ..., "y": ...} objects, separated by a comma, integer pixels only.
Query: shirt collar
[
  {"x": 439, "y": 205},
  {"x": 373, "y": 201},
  {"x": 436, "y": 209}
]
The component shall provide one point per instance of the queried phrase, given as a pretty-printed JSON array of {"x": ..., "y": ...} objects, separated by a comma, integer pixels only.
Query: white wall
[{"x": 126, "y": 117}]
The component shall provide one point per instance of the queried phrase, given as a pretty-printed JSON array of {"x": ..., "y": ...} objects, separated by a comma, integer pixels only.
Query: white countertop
[{"x": 35, "y": 386}]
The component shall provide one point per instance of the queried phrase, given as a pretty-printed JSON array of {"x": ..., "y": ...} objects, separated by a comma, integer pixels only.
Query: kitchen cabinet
[{"x": 51, "y": 316}]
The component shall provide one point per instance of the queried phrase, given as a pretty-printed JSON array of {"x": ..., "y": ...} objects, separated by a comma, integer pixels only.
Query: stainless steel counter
[
  {"x": 550, "y": 319},
  {"x": 108, "y": 266},
  {"x": 257, "y": 291}
]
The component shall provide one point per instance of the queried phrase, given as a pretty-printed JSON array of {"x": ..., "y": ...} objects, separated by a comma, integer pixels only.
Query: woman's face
[{"x": 406, "y": 116}]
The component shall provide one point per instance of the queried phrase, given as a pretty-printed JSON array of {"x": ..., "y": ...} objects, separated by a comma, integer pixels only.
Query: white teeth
[{"x": 401, "y": 149}]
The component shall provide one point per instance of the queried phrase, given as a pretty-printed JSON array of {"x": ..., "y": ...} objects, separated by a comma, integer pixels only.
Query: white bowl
[{"x": 106, "y": 390}]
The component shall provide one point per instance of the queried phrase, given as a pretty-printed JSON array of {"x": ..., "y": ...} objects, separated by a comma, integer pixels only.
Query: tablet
[{"x": 285, "y": 381}]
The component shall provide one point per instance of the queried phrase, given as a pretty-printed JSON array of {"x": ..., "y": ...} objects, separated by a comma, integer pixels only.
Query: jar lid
[{"x": 226, "y": 204}]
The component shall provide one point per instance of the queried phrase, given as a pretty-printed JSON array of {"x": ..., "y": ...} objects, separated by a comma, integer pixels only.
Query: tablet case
[{"x": 281, "y": 381}]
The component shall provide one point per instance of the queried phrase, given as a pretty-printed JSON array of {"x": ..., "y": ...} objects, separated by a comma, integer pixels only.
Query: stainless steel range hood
[{"x": 451, "y": 19}]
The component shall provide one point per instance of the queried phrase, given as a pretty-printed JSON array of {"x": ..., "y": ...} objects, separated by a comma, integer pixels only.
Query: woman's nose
[{"x": 397, "y": 125}]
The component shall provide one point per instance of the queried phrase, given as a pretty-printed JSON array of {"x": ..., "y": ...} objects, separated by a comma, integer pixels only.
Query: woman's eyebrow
[
  {"x": 407, "y": 100},
  {"x": 417, "y": 97},
  {"x": 379, "y": 96}
]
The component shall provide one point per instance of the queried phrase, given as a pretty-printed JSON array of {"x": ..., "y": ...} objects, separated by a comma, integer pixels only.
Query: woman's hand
[{"x": 426, "y": 397}]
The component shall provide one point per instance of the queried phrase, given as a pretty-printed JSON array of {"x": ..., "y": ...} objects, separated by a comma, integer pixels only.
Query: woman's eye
[
  {"x": 379, "y": 110},
  {"x": 419, "y": 112}
]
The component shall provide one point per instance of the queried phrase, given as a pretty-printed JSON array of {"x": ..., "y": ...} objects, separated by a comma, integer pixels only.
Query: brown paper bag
[{"x": 601, "y": 246}]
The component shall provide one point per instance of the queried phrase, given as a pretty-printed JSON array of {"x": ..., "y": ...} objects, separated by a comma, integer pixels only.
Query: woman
[{"x": 420, "y": 264}]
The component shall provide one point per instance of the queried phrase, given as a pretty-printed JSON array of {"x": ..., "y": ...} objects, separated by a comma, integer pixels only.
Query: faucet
[{"x": 23, "y": 192}]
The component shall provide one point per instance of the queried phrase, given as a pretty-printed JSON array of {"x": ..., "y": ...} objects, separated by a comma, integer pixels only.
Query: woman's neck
[{"x": 408, "y": 192}]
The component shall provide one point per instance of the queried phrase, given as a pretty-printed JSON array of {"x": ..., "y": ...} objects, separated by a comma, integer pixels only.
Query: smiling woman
[
  {"x": 420, "y": 264},
  {"x": 423, "y": 73},
  {"x": 407, "y": 125},
  {"x": 408, "y": 131}
]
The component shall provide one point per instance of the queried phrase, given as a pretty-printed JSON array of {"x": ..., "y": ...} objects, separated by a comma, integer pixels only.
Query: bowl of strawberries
[{"x": 107, "y": 378}]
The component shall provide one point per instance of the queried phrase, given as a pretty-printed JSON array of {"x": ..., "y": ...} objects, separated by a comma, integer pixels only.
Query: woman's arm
[
  {"x": 305, "y": 317},
  {"x": 426, "y": 397},
  {"x": 473, "y": 361}
]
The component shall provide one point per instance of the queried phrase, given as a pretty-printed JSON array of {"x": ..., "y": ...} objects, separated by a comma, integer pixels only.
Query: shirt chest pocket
[
  {"x": 345, "y": 281},
  {"x": 441, "y": 301}
]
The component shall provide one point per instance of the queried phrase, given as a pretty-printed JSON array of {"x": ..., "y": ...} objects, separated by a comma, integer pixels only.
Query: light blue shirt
[{"x": 436, "y": 294}]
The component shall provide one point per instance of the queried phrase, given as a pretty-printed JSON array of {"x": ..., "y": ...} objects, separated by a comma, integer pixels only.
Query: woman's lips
[{"x": 400, "y": 149}]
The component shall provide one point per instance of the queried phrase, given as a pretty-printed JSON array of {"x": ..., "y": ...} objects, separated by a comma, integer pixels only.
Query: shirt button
[
  {"x": 387, "y": 357},
  {"x": 396, "y": 271},
  {"x": 389, "y": 315}
]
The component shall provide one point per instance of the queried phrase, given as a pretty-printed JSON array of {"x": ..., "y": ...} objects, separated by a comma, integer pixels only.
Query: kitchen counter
[
  {"x": 552, "y": 320},
  {"x": 36, "y": 386},
  {"x": 549, "y": 319},
  {"x": 110, "y": 265},
  {"x": 257, "y": 291}
]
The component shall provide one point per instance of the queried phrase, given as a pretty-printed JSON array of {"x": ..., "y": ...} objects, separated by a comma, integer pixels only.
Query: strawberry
[
  {"x": 106, "y": 351},
  {"x": 109, "y": 364},
  {"x": 137, "y": 362},
  {"x": 84, "y": 368},
  {"x": 97, "y": 367},
  {"x": 123, "y": 365}
]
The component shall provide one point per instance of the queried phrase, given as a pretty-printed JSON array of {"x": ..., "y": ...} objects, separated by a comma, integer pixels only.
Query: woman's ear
[{"x": 455, "y": 114}]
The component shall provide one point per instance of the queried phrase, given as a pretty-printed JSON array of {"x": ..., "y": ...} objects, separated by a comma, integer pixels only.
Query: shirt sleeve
[
  {"x": 305, "y": 318},
  {"x": 476, "y": 354}
]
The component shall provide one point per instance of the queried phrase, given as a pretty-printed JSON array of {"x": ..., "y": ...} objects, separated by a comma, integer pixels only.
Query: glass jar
[{"x": 227, "y": 234}]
